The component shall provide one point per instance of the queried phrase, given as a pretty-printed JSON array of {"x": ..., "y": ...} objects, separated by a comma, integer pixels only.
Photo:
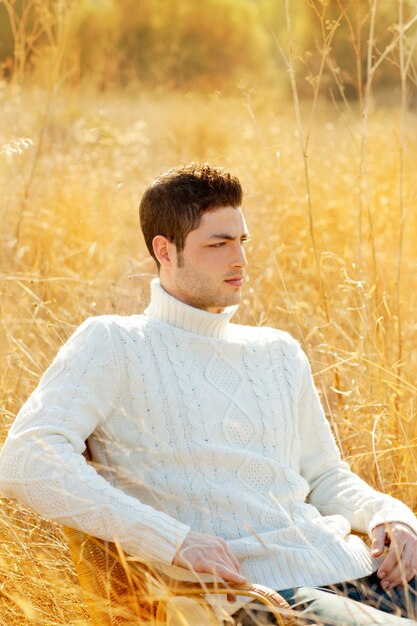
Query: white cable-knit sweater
[{"x": 194, "y": 422}]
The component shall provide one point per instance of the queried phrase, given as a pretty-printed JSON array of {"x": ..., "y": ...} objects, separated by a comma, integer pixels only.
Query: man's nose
[{"x": 239, "y": 259}]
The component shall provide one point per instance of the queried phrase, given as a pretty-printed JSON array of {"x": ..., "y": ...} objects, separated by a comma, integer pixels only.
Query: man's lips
[{"x": 235, "y": 282}]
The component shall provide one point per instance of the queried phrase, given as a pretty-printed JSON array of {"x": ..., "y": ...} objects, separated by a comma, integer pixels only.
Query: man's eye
[{"x": 218, "y": 245}]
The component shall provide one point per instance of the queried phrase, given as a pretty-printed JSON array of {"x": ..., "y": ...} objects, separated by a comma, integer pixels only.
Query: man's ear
[{"x": 163, "y": 250}]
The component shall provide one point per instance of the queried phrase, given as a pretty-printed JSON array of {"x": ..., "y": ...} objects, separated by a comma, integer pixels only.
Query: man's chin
[
  {"x": 221, "y": 304},
  {"x": 232, "y": 299}
]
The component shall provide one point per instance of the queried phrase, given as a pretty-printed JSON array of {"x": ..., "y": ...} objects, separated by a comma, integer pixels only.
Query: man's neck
[{"x": 166, "y": 308}]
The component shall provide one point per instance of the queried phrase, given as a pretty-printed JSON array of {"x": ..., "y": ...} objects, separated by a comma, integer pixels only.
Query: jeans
[{"x": 360, "y": 602}]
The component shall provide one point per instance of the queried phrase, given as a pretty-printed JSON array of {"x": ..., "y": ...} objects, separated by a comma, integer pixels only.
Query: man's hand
[
  {"x": 209, "y": 555},
  {"x": 400, "y": 563}
]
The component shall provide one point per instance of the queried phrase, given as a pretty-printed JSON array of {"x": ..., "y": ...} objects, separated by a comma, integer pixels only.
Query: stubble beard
[{"x": 198, "y": 291}]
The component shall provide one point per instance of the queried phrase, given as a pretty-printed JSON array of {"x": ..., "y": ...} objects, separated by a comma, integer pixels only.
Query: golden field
[{"x": 335, "y": 267}]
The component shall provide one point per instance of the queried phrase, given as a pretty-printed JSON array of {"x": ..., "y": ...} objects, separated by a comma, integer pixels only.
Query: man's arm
[
  {"x": 335, "y": 489},
  {"x": 41, "y": 463}
]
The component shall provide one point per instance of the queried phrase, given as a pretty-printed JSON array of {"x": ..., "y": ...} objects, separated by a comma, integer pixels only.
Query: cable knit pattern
[{"x": 194, "y": 422}]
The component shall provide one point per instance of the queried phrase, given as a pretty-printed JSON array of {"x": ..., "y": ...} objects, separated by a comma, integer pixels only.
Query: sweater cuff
[
  {"x": 405, "y": 516},
  {"x": 161, "y": 540}
]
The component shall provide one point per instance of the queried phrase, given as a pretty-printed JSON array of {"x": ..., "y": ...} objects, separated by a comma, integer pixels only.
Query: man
[{"x": 212, "y": 451}]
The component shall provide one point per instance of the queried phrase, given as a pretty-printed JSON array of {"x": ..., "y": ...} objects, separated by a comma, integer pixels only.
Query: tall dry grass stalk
[
  {"x": 40, "y": 31},
  {"x": 330, "y": 193}
]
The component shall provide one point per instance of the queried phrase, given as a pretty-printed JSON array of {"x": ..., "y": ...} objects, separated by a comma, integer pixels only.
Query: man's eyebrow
[{"x": 228, "y": 237}]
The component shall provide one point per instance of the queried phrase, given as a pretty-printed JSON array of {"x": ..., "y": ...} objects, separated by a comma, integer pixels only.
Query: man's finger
[
  {"x": 389, "y": 563},
  {"x": 234, "y": 560},
  {"x": 392, "y": 579},
  {"x": 378, "y": 540},
  {"x": 399, "y": 575},
  {"x": 409, "y": 560},
  {"x": 224, "y": 572},
  {"x": 401, "y": 572},
  {"x": 234, "y": 563},
  {"x": 219, "y": 565},
  {"x": 408, "y": 556}
]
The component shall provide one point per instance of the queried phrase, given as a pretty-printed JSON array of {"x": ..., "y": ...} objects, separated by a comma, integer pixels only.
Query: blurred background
[
  {"x": 211, "y": 44},
  {"x": 312, "y": 103}
]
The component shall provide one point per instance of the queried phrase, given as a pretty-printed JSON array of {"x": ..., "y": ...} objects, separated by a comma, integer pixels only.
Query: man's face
[{"x": 208, "y": 273}]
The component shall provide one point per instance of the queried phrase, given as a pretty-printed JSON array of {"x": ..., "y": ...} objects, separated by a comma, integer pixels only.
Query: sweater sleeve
[
  {"x": 334, "y": 488},
  {"x": 41, "y": 462}
]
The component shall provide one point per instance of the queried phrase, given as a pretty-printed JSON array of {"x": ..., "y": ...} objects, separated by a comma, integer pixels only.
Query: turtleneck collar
[{"x": 165, "y": 308}]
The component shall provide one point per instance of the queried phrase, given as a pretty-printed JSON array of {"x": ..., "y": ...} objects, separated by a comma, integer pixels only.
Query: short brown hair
[{"x": 174, "y": 203}]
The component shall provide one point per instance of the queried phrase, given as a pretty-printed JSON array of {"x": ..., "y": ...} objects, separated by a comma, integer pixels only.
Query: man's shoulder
[
  {"x": 266, "y": 334},
  {"x": 113, "y": 319},
  {"x": 112, "y": 324}
]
